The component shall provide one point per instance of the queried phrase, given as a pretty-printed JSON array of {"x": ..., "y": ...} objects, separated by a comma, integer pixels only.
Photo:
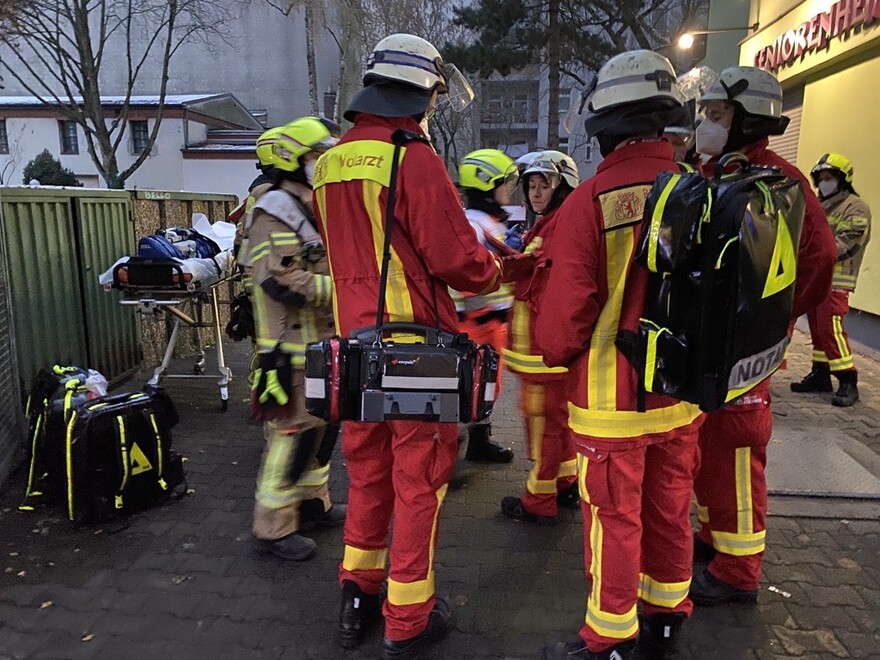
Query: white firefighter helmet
[
  {"x": 636, "y": 75},
  {"x": 554, "y": 166},
  {"x": 408, "y": 59},
  {"x": 418, "y": 69},
  {"x": 757, "y": 91}
]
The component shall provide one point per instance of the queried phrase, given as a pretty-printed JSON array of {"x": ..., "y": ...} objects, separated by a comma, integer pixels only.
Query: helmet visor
[
  {"x": 575, "y": 108},
  {"x": 459, "y": 93},
  {"x": 511, "y": 178}
]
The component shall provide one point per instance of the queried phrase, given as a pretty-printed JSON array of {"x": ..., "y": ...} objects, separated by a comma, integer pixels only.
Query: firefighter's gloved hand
[
  {"x": 274, "y": 389},
  {"x": 273, "y": 379},
  {"x": 517, "y": 267},
  {"x": 514, "y": 237}
]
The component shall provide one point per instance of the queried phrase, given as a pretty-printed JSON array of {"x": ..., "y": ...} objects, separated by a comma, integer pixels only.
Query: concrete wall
[
  {"x": 722, "y": 49},
  {"x": 228, "y": 177},
  {"x": 262, "y": 62}
]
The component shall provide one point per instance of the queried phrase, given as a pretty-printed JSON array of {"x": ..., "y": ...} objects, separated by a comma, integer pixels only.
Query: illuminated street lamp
[{"x": 686, "y": 40}]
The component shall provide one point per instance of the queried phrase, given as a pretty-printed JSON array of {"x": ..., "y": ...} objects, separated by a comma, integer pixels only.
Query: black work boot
[
  {"x": 512, "y": 507},
  {"x": 848, "y": 392},
  {"x": 312, "y": 515},
  {"x": 706, "y": 589},
  {"x": 578, "y": 649},
  {"x": 438, "y": 626},
  {"x": 482, "y": 449},
  {"x": 658, "y": 636},
  {"x": 356, "y": 613},
  {"x": 818, "y": 380},
  {"x": 703, "y": 552},
  {"x": 569, "y": 497},
  {"x": 292, "y": 547}
]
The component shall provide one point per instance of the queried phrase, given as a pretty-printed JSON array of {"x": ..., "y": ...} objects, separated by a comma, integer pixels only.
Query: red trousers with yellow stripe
[
  {"x": 544, "y": 404},
  {"x": 637, "y": 533},
  {"x": 830, "y": 342},
  {"x": 731, "y": 491},
  {"x": 398, "y": 471}
]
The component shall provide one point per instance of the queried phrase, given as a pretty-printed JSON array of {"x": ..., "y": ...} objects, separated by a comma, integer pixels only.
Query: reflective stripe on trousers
[
  {"x": 731, "y": 490},
  {"x": 398, "y": 470},
  {"x": 830, "y": 341},
  {"x": 637, "y": 536}
]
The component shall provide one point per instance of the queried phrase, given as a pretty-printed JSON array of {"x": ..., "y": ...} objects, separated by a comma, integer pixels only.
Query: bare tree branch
[{"x": 56, "y": 49}]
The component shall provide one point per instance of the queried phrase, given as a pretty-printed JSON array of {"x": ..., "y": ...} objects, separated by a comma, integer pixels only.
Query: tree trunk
[
  {"x": 310, "y": 57},
  {"x": 553, "y": 66}
]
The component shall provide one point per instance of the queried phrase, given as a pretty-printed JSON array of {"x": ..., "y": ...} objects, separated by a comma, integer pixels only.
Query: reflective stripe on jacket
[
  {"x": 850, "y": 220},
  {"x": 432, "y": 245}
]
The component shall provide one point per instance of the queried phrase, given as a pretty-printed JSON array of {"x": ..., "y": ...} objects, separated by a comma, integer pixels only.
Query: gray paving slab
[
  {"x": 182, "y": 581},
  {"x": 821, "y": 462}
]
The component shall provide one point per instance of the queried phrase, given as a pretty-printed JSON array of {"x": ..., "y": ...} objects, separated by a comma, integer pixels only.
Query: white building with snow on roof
[{"x": 206, "y": 142}]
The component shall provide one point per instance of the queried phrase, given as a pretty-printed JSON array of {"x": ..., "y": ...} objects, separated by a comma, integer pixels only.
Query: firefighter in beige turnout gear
[
  {"x": 292, "y": 297},
  {"x": 850, "y": 220}
]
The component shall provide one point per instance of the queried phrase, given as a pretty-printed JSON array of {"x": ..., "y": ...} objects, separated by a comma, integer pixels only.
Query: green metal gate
[{"x": 57, "y": 242}]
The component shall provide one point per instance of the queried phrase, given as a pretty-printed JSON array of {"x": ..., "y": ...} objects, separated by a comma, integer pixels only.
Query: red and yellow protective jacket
[
  {"x": 522, "y": 354},
  {"x": 432, "y": 244},
  {"x": 817, "y": 251},
  {"x": 593, "y": 290}
]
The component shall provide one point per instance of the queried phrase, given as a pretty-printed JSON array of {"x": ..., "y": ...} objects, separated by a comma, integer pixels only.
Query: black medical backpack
[
  {"x": 106, "y": 457},
  {"x": 723, "y": 256}
]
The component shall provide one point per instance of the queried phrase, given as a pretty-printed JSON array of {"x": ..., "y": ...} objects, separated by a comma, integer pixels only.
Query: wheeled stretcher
[{"x": 175, "y": 289}]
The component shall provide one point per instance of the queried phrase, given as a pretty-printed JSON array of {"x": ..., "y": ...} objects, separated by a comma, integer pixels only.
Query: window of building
[
  {"x": 4, "y": 138},
  {"x": 69, "y": 137},
  {"x": 564, "y": 100},
  {"x": 140, "y": 136},
  {"x": 563, "y": 144}
]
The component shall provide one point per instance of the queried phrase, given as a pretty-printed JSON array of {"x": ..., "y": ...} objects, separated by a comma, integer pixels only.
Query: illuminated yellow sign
[{"x": 814, "y": 34}]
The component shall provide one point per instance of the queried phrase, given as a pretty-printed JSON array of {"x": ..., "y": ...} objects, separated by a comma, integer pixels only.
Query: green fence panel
[
  {"x": 106, "y": 232},
  {"x": 45, "y": 276},
  {"x": 11, "y": 420}
]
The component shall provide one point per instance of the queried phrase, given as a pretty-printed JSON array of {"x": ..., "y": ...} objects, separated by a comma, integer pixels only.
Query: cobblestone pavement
[{"x": 182, "y": 581}]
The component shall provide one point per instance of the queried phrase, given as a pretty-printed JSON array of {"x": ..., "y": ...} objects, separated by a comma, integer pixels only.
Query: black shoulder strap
[{"x": 399, "y": 138}]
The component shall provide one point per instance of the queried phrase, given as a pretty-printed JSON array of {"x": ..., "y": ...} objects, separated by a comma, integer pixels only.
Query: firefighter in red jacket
[
  {"x": 741, "y": 109},
  {"x": 398, "y": 470},
  {"x": 547, "y": 181},
  {"x": 635, "y": 469}
]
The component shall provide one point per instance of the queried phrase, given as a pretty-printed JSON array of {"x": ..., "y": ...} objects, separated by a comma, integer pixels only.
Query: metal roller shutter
[{"x": 786, "y": 145}]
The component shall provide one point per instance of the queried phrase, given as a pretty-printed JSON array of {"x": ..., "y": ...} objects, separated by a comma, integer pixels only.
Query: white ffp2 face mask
[
  {"x": 827, "y": 188},
  {"x": 309, "y": 169},
  {"x": 711, "y": 138}
]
